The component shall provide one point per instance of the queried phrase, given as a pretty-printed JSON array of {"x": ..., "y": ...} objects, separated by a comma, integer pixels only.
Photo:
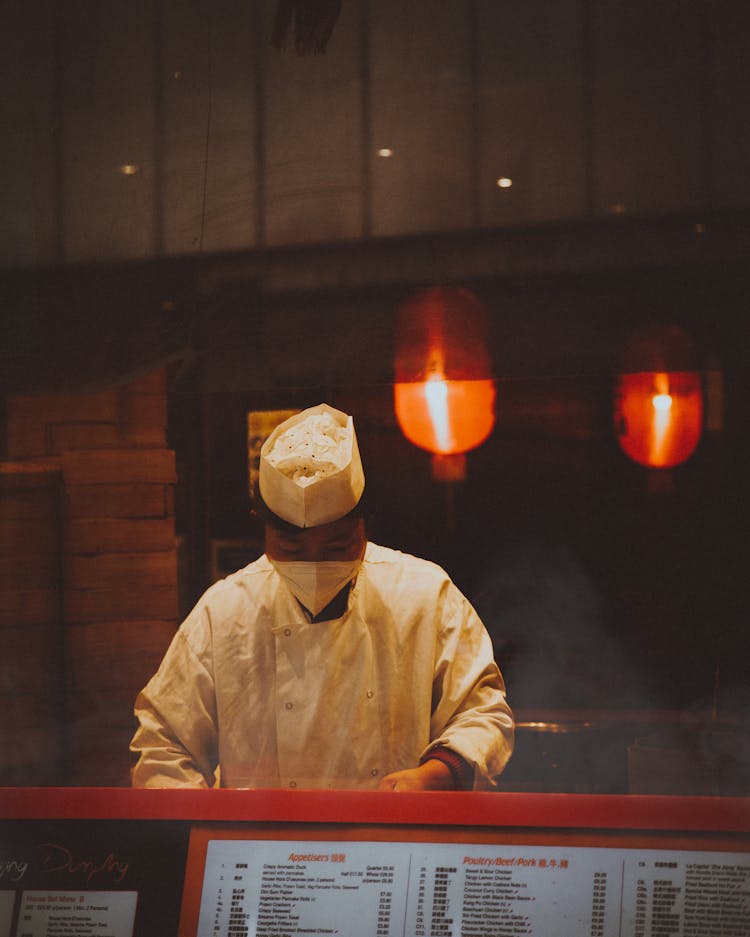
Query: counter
[{"x": 115, "y": 862}]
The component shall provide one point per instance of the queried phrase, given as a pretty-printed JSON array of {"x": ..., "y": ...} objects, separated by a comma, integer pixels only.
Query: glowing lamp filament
[
  {"x": 436, "y": 394},
  {"x": 659, "y": 416}
]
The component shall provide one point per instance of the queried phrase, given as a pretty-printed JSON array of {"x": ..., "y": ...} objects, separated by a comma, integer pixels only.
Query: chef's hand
[{"x": 432, "y": 775}]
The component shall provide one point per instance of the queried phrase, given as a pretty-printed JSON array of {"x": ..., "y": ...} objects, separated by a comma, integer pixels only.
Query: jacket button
[
  {"x": 374, "y": 772},
  {"x": 289, "y": 705},
  {"x": 287, "y": 631},
  {"x": 292, "y": 784},
  {"x": 370, "y": 694}
]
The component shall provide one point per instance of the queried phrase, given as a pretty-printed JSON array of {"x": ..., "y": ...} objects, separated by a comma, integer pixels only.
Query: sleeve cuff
[{"x": 460, "y": 769}]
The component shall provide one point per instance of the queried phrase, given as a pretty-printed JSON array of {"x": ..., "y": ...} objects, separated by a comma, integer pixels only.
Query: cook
[{"x": 330, "y": 661}]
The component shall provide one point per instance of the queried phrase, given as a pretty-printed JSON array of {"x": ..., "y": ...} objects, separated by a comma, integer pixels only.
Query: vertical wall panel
[
  {"x": 29, "y": 121},
  {"x": 232, "y": 181},
  {"x": 422, "y": 109},
  {"x": 185, "y": 95},
  {"x": 312, "y": 133},
  {"x": 648, "y": 79},
  {"x": 530, "y": 65},
  {"x": 208, "y": 145},
  {"x": 730, "y": 102},
  {"x": 108, "y": 96}
]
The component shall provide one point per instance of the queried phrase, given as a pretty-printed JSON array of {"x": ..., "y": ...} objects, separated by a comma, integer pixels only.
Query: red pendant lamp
[
  {"x": 658, "y": 403},
  {"x": 444, "y": 393}
]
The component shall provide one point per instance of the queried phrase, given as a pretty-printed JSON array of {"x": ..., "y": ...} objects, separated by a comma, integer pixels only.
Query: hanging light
[
  {"x": 444, "y": 393},
  {"x": 658, "y": 404}
]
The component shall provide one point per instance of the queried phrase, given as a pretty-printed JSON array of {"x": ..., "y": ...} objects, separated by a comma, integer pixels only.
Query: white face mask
[{"x": 316, "y": 584}]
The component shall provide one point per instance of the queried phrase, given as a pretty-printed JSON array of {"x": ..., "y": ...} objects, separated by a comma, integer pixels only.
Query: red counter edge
[{"x": 511, "y": 809}]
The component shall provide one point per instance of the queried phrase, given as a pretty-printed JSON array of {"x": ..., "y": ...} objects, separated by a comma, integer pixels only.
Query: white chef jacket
[{"x": 250, "y": 685}]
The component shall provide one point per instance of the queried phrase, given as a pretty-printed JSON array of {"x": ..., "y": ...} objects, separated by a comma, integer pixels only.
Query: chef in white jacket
[{"x": 330, "y": 661}]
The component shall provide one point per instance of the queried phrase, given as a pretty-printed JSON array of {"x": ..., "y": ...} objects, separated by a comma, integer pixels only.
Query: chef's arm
[
  {"x": 470, "y": 715},
  {"x": 164, "y": 760},
  {"x": 176, "y": 739}
]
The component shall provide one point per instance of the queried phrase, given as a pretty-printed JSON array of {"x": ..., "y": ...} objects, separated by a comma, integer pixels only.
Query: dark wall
[{"x": 603, "y": 584}]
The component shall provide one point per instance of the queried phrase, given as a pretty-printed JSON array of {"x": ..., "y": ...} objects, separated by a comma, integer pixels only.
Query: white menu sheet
[
  {"x": 258, "y": 888},
  {"x": 77, "y": 914},
  {"x": 7, "y": 898}
]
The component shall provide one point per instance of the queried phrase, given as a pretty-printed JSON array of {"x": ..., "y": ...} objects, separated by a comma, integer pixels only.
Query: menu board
[{"x": 259, "y": 888}]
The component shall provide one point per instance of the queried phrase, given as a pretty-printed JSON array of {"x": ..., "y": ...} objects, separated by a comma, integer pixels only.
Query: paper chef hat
[{"x": 310, "y": 469}]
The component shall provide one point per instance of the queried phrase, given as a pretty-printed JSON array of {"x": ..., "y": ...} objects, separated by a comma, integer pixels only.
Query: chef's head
[{"x": 311, "y": 482}]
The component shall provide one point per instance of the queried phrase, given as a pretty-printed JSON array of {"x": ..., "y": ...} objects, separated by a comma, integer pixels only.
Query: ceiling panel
[
  {"x": 730, "y": 103},
  {"x": 231, "y": 220},
  {"x": 185, "y": 95},
  {"x": 109, "y": 64},
  {"x": 29, "y": 226},
  {"x": 421, "y": 107},
  {"x": 531, "y": 111},
  {"x": 209, "y": 81},
  {"x": 312, "y": 137},
  {"x": 648, "y": 71}
]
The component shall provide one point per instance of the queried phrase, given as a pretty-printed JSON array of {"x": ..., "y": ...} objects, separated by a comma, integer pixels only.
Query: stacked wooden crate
[
  {"x": 119, "y": 568},
  {"x": 31, "y": 637},
  {"x": 120, "y": 597}
]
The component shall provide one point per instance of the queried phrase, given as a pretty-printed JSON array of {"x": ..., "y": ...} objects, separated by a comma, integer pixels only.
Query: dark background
[{"x": 262, "y": 246}]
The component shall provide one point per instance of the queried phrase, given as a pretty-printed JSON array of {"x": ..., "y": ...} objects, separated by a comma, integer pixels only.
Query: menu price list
[
  {"x": 254, "y": 888},
  {"x": 74, "y": 914}
]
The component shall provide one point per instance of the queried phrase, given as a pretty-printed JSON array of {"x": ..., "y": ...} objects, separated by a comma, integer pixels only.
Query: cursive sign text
[
  {"x": 60, "y": 859},
  {"x": 12, "y": 870}
]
